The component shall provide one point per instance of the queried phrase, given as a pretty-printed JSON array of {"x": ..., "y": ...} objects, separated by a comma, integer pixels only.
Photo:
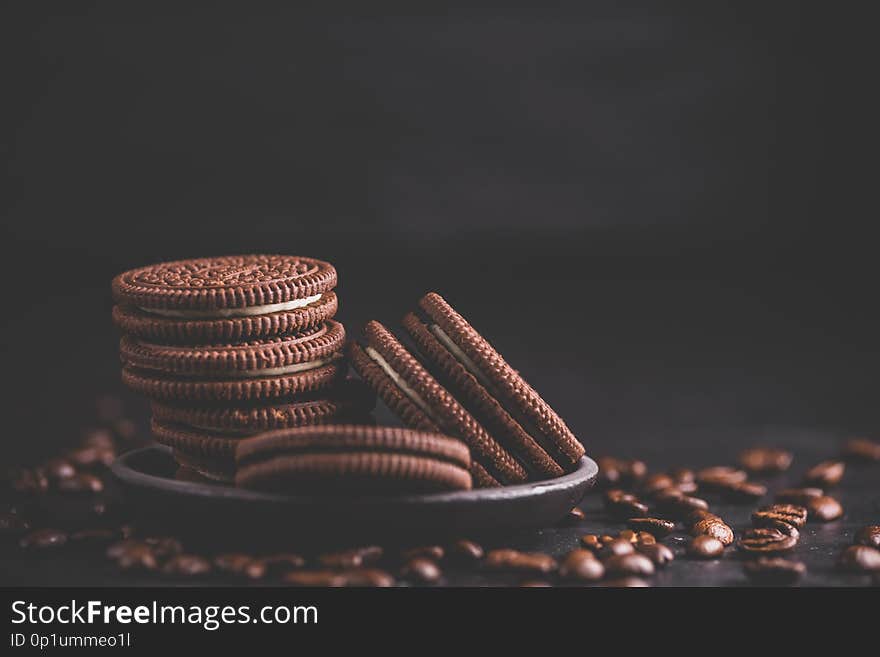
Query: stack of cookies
[
  {"x": 233, "y": 346},
  {"x": 455, "y": 383}
]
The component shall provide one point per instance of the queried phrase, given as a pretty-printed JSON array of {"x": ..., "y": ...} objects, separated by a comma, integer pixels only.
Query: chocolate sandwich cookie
[
  {"x": 416, "y": 396},
  {"x": 174, "y": 330},
  {"x": 211, "y": 455},
  {"x": 479, "y": 377},
  {"x": 346, "y": 458},
  {"x": 226, "y": 286}
]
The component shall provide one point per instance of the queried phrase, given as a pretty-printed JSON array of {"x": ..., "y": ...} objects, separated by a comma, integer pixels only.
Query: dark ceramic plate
[{"x": 147, "y": 477}]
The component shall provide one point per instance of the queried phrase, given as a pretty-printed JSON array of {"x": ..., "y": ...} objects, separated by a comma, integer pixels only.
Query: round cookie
[
  {"x": 225, "y": 286},
  {"x": 504, "y": 383},
  {"x": 301, "y": 352},
  {"x": 480, "y": 402},
  {"x": 212, "y": 456},
  {"x": 349, "y": 458},
  {"x": 171, "y": 330},
  {"x": 400, "y": 370}
]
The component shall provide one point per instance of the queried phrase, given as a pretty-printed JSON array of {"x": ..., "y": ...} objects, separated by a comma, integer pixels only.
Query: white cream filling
[
  {"x": 277, "y": 371},
  {"x": 400, "y": 383},
  {"x": 220, "y": 313},
  {"x": 462, "y": 357}
]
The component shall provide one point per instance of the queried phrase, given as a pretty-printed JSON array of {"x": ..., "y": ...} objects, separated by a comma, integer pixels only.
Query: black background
[{"x": 659, "y": 212}]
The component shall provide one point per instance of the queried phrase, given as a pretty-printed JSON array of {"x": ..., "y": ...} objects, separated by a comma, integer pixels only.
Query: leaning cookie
[
  {"x": 420, "y": 401},
  {"x": 478, "y": 375},
  {"x": 346, "y": 459}
]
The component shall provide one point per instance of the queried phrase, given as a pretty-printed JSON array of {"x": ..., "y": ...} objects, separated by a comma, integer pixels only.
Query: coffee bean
[
  {"x": 240, "y": 565},
  {"x": 782, "y": 526},
  {"x": 676, "y": 505},
  {"x": 422, "y": 570},
  {"x": 619, "y": 472},
  {"x": 629, "y": 564},
  {"x": 573, "y": 517},
  {"x": 464, "y": 551},
  {"x": 862, "y": 449},
  {"x": 626, "y": 583},
  {"x": 101, "y": 439},
  {"x": 163, "y": 546},
  {"x": 765, "y": 460},
  {"x": 513, "y": 560},
  {"x": 710, "y": 478},
  {"x": 367, "y": 577},
  {"x": 715, "y": 527},
  {"x": 355, "y": 558},
  {"x": 58, "y": 469},
  {"x": 824, "y": 509},
  {"x": 705, "y": 546},
  {"x": 798, "y": 496},
  {"x": 658, "y": 553},
  {"x": 591, "y": 542},
  {"x": 81, "y": 483},
  {"x": 645, "y": 538},
  {"x": 653, "y": 484},
  {"x": 94, "y": 538},
  {"x": 137, "y": 556},
  {"x": 682, "y": 476},
  {"x": 319, "y": 578},
  {"x": 628, "y": 535},
  {"x": 859, "y": 559},
  {"x": 43, "y": 539},
  {"x": 742, "y": 492},
  {"x": 794, "y": 515},
  {"x": 825, "y": 474},
  {"x": 534, "y": 584},
  {"x": 774, "y": 570},
  {"x": 623, "y": 505},
  {"x": 869, "y": 535},
  {"x": 617, "y": 547},
  {"x": 88, "y": 457},
  {"x": 766, "y": 540},
  {"x": 432, "y": 552},
  {"x": 187, "y": 565},
  {"x": 656, "y": 526},
  {"x": 12, "y": 525},
  {"x": 581, "y": 565},
  {"x": 605, "y": 539},
  {"x": 277, "y": 564}
]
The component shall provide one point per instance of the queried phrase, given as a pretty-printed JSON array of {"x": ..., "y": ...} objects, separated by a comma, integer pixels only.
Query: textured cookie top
[
  {"x": 352, "y": 438},
  {"x": 500, "y": 378},
  {"x": 281, "y": 355},
  {"x": 224, "y": 282}
]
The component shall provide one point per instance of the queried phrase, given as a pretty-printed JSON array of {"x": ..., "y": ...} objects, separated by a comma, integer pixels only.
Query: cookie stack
[
  {"x": 457, "y": 384},
  {"x": 228, "y": 347}
]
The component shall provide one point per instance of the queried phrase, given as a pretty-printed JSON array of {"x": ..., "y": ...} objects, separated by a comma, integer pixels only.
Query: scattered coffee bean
[
  {"x": 676, "y": 505},
  {"x": 623, "y": 505},
  {"x": 605, "y": 539},
  {"x": 187, "y": 565},
  {"x": 277, "y": 564},
  {"x": 581, "y": 565},
  {"x": 794, "y": 515},
  {"x": 59, "y": 469},
  {"x": 432, "y": 552},
  {"x": 42, "y": 539},
  {"x": 101, "y": 439},
  {"x": 355, "y": 558},
  {"x": 535, "y": 584},
  {"x": 12, "y": 525},
  {"x": 710, "y": 478},
  {"x": 765, "y": 460},
  {"x": 715, "y": 527},
  {"x": 656, "y": 526},
  {"x": 629, "y": 564},
  {"x": 782, "y": 526},
  {"x": 628, "y": 535},
  {"x": 464, "y": 551},
  {"x": 240, "y": 565},
  {"x": 798, "y": 496},
  {"x": 367, "y": 577},
  {"x": 421, "y": 570},
  {"x": 824, "y": 509},
  {"x": 573, "y": 517},
  {"x": 323, "y": 578},
  {"x": 591, "y": 542},
  {"x": 705, "y": 546},
  {"x": 653, "y": 484},
  {"x": 619, "y": 472},
  {"x": 774, "y": 570},
  {"x": 862, "y": 449},
  {"x": 626, "y": 583},
  {"x": 136, "y": 556},
  {"x": 88, "y": 457},
  {"x": 514, "y": 560},
  {"x": 742, "y": 492},
  {"x": 617, "y": 547},
  {"x": 869, "y": 536},
  {"x": 766, "y": 540},
  {"x": 163, "y": 546},
  {"x": 860, "y": 558},
  {"x": 645, "y": 538},
  {"x": 658, "y": 553},
  {"x": 80, "y": 483},
  {"x": 825, "y": 474}
]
